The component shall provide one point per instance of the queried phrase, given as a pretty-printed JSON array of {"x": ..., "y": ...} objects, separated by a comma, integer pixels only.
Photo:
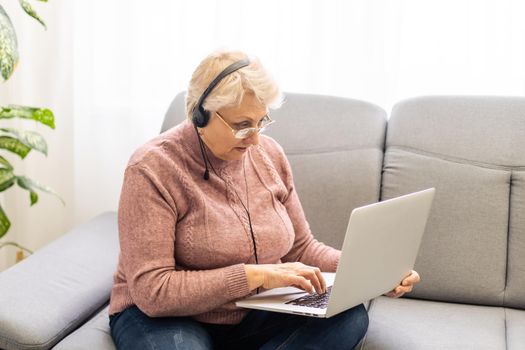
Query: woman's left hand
[{"x": 405, "y": 286}]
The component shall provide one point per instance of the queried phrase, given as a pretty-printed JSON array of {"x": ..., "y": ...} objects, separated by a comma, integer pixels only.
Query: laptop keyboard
[{"x": 319, "y": 301}]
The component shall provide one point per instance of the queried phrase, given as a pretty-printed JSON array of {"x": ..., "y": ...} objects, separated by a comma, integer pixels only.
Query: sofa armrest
[{"x": 52, "y": 292}]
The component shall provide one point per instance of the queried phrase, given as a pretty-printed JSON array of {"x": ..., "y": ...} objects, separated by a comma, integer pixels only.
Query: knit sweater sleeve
[
  {"x": 306, "y": 248},
  {"x": 147, "y": 220}
]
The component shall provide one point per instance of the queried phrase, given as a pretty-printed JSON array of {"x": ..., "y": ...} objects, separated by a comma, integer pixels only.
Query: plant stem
[{"x": 16, "y": 245}]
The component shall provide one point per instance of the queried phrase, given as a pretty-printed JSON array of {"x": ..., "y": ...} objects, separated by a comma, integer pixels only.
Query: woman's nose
[{"x": 253, "y": 139}]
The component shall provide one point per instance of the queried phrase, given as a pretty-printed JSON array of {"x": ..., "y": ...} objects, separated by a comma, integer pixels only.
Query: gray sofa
[{"x": 344, "y": 154}]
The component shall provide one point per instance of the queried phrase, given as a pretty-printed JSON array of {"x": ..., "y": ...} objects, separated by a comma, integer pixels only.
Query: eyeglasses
[{"x": 247, "y": 132}]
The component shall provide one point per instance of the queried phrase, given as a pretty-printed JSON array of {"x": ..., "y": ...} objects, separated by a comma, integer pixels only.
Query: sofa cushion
[
  {"x": 515, "y": 292},
  {"x": 328, "y": 203},
  {"x": 469, "y": 148},
  {"x": 515, "y": 321},
  {"x": 462, "y": 257},
  {"x": 49, "y": 294},
  {"x": 94, "y": 334},
  {"x": 483, "y": 129},
  {"x": 411, "y": 324}
]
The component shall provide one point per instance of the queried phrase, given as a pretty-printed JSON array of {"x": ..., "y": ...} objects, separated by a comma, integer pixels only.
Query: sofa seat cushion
[
  {"x": 94, "y": 334},
  {"x": 416, "y": 324},
  {"x": 515, "y": 320},
  {"x": 394, "y": 324}
]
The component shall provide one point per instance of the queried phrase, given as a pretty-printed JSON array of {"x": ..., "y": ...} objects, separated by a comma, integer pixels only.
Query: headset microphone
[{"x": 206, "y": 175}]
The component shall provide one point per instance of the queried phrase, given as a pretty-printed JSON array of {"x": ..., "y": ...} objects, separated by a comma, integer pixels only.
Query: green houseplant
[{"x": 13, "y": 140}]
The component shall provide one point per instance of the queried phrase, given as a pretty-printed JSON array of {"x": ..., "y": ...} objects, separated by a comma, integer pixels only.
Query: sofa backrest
[
  {"x": 471, "y": 150},
  {"x": 176, "y": 112},
  {"x": 336, "y": 144}
]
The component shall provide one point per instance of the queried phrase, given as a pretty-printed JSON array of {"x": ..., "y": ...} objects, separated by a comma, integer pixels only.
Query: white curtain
[
  {"x": 114, "y": 67},
  {"x": 43, "y": 78}
]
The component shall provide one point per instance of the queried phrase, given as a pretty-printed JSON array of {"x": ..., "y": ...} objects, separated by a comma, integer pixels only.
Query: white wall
[{"x": 109, "y": 70}]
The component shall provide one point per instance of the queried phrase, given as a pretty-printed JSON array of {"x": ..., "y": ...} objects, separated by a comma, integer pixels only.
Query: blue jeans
[{"x": 132, "y": 329}]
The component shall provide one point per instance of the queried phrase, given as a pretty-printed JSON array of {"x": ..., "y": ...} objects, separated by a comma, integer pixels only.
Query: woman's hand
[
  {"x": 405, "y": 286},
  {"x": 268, "y": 276}
]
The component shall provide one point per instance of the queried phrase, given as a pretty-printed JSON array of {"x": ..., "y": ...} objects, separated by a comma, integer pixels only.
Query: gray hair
[{"x": 230, "y": 90}]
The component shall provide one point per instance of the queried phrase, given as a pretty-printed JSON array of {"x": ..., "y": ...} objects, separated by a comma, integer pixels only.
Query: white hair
[{"x": 230, "y": 90}]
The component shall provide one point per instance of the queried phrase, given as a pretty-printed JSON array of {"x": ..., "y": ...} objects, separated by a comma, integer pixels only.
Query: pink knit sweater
[{"x": 184, "y": 240}]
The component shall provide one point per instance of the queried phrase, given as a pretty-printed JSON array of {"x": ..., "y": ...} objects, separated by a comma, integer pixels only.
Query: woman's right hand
[{"x": 294, "y": 274}]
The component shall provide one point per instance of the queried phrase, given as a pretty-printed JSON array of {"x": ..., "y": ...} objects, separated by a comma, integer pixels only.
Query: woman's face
[{"x": 218, "y": 136}]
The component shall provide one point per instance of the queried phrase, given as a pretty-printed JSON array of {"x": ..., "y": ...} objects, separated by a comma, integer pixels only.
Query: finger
[
  {"x": 310, "y": 274},
  {"x": 411, "y": 279},
  {"x": 415, "y": 277},
  {"x": 321, "y": 279},
  {"x": 403, "y": 289},
  {"x": 302, "y": 283}
]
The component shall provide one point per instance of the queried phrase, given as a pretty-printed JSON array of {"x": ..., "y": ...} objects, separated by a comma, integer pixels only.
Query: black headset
[{"x": 200, "y": 117}]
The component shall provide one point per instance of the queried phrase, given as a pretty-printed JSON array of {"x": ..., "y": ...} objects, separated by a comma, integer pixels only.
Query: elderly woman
[{"x": 208, "y": 215}]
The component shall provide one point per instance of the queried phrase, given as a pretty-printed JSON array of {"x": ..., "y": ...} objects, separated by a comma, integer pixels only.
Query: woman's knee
[
  {"x": 360, "y": 318},
  {"x": 356, "y": 322}
]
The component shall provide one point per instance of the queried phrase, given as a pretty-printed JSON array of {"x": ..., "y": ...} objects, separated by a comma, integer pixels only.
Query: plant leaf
[
  {"x": 4, "y": 223},
  {"x": 5, "y": 163},
  {"x": 8, "y": 46},
  {"x": 15, "y": 146},
  {"x": 29, "y": 10},
  {"x": 29, "y": 138},
  {"x": 42, "y": 115},
  {"x": 32, "y": 186},
  {"x": 7, "y": 179},
  {"x": 33, "y": 197}
]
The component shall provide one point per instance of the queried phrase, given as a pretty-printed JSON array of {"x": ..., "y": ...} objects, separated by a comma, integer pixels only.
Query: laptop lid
[{"x": 380, "y": 248}]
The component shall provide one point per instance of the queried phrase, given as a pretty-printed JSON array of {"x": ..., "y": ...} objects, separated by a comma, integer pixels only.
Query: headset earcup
[{"x": 200, "y": 117}]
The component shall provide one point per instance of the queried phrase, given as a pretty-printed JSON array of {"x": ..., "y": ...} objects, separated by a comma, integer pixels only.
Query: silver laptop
[{"x": 380, "y": 248}]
